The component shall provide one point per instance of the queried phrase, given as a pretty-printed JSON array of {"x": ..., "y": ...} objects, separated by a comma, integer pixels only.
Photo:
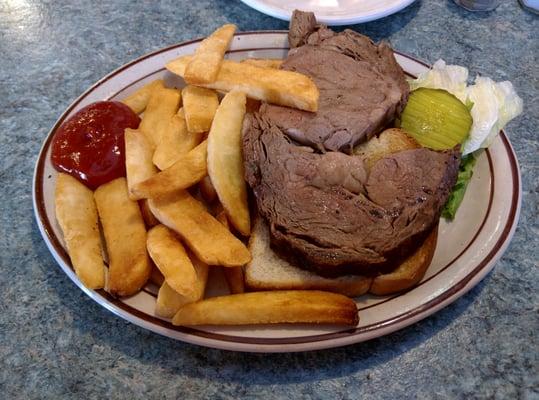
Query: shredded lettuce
[
  {"x": 455, "y": 197},
  {"x": 493, "y": 104}
]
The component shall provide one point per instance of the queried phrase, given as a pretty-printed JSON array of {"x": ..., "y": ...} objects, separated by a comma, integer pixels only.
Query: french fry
[
  {"x": 170, "y": 257},
  {"x": 125, "y": 236},
  {"x": 225, "y": 161},
  {"x": 276, "y": 86},
  {"x": 169, "y": 301},
  {"x": 207, "y": 190},
  {"x": 185, "y": 172},
  {"x": 76, "y": 213},
  {"x": 274, "y": 307},
  {"x": 156, "y": 276},
  {"x": 139, "y": 99},
  {"x": 205, "y": 65},
  {"x": 211, "y": 242},
  {"x": 199, "y": 106},
  {"x": 167, "y": 149},
  {"x": 221, "y": 217},
  {"x": 147, "y": 216},
  {"x": 264, "y": 62},
  {"x": 175, "y": 141},
  {"x": 138, "y": 160},
  {"x": 235, "y": 279},
  {"x": 234, "y": 276},
  {"x": 163, "y": 104}
]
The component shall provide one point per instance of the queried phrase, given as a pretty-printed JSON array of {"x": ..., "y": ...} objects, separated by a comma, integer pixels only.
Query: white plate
[
  {"x": 467, "y": 248},
  {"x": 331, "y": 12}
]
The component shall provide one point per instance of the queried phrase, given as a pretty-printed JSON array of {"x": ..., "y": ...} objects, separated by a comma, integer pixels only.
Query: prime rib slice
[{"x": 362, "y": 87}]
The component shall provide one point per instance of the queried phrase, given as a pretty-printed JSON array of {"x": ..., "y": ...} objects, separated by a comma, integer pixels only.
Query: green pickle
[{"x": 436, "y": 119}]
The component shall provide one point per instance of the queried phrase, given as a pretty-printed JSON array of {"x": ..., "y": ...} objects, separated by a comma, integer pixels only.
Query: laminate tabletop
[{"x": 55, "y": 342}]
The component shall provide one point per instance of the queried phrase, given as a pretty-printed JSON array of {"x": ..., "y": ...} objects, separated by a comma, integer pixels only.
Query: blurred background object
[
  {"x": 331, "y": 12},
  {"x": 530, "y": 5},
  {"x": 478, "y": 5}
]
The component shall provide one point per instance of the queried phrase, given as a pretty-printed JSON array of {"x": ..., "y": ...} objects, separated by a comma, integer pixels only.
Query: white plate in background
[{"x": 331, "y": 12}]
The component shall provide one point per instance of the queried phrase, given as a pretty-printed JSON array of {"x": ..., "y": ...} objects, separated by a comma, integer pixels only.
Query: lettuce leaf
[
  {"x": 493, "y": 104},
  {"x": 452, "y": 78},
  {"x": 457, "y": 194}
]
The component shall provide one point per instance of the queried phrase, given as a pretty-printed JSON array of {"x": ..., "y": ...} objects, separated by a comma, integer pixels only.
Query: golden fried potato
[
  {"x": 287, "y": 306},
  {"x": 76, "y": 213},
  {"x": 221, "y": 217},
  {"x": 156, "y": 276},
  {"x": 264, "y": 62},
  {"x": 125, "y": 236},
  {"x": 163, "y": 104},
  {"x": 170, "y": 257},
  {"x": 147, "y": 216},
  {"x": 233, "y": 275},
  {"x": 138, "y": 160},
  {"x": 169, "y": 301},
  {"x": 199, "y": 106},
  {"x": 205, "y": 65},
  {"x": 225, "y": 161},
  {"x": 175, "y": 141},
  {"x": 139, "y": 99},
  {"x": 185, "y": 172},
  {"x": 211, "y": 242},
  {"x": 276, "y": 86},
  {"x": 235, "y": 279},
  {"x": 207, "y": 191}
]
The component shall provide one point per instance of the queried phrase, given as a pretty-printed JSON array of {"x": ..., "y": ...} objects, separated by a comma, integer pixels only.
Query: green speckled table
[{"x": 57, "y": 343}]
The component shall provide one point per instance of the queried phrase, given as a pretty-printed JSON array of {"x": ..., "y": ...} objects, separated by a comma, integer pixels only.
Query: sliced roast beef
[
  {"x": 362, "y": 88},
  {"x": 302, "y": 24},
  {"x": 330, "y": 212},
  {"x": 323, "y": 205}
]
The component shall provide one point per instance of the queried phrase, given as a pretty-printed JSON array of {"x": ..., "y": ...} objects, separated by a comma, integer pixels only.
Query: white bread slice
[
  {"x": 268, "y": 271},
  {"x": 389, "y": 141},
  {"x": 410, "y": 271}
]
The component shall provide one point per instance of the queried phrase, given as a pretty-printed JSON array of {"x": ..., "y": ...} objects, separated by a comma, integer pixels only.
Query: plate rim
[
  {"x": 292, "y": 344},
  {"x": 356, "y": 18}
]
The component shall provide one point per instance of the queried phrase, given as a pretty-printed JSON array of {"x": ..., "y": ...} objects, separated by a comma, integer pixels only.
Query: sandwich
[{"x": 344, "y": 203}]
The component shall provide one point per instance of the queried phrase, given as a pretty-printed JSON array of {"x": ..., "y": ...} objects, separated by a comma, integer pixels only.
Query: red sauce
[{"x": 90, "y": 145}]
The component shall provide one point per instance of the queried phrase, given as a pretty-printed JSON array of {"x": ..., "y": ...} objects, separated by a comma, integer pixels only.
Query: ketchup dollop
[{"x": 90, "y": 145}]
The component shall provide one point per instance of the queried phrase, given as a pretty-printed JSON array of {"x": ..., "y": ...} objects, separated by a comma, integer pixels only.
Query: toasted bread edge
[{"x": 410, "y": 271}]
